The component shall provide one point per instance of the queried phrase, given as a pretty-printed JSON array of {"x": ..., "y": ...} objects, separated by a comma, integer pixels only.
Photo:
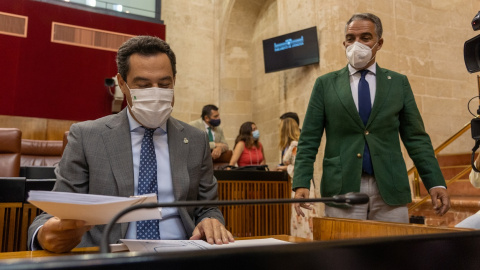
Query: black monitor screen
[{"x": 291, "y": 50}]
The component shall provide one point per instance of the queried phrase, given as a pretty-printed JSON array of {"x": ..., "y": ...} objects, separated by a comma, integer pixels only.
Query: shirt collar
[
  {"x": 134, "y": 125},
  {"x": 372, "y": 69},
  {"x": 207, "y": 126}
]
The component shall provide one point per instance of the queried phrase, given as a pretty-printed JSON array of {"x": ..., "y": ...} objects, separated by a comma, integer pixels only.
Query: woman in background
[
  {"x": 289, "y": 134},
  {"x": 247, "y": 150}
]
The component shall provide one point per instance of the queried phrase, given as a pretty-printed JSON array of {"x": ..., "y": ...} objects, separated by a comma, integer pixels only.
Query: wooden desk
[
  {"x": 455, "y": 250},
  {"x": 254, "y": 220},
  {"x": 241, "y": 220},
  {"x": 94, "y": 250},
  {"x": 326, "y": 228}
]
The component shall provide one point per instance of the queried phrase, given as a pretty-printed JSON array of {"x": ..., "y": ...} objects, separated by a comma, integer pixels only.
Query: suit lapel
[
  {"x": 383, "y": 88},
  {"x": 178, "y": 151},
  {"x": 344, "y": 92},
  {"x": 118, "y": 145}
]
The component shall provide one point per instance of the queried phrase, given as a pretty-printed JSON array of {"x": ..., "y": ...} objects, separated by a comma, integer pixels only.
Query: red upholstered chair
[
  {"x": 41, "y": 152},
  {"x": 10, "y": 145}
]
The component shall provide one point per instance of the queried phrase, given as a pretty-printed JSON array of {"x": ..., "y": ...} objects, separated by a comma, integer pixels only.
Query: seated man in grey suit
[
  {"x": 122, "y": 155},
  {"x": 209, "y": 122}
]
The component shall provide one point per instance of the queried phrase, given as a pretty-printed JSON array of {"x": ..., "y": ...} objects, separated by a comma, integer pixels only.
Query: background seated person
[
  {"x": 289, "y": 135},
  {"x": 209, "y": 122},
  {"x": 248, "y": 150}
]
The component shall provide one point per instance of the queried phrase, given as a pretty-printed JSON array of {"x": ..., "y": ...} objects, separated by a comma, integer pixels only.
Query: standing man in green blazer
[{"x": 363, "y": 108}]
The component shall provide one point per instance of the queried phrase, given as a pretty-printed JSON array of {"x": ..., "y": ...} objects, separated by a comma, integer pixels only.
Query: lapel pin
[
  {"x": 388, "y": 77},
  {"x": 185, "y": 140}
]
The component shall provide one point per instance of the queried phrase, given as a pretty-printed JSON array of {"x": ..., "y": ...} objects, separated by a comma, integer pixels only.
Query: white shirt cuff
[{"x": 34, "y": 245}]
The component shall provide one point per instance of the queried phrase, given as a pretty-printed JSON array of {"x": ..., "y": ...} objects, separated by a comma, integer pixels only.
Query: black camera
[
  {"x": 471, "y": 55},
  {"x": 471, "y": 49},
  {"x": 476, "y": 22}
]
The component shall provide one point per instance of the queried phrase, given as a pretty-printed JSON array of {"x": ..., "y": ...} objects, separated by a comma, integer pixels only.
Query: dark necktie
[
  {"x": 364, "y": 109},
  {"x": 147, "y": 183},
  {"x": 210, "y": 134}
]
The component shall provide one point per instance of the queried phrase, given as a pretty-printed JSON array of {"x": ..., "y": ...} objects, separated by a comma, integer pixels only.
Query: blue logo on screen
[{"x": 288, "y": 44}]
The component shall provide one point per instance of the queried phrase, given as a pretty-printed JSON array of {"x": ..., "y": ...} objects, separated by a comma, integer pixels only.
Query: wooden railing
[{"x": 416, "y": 177}]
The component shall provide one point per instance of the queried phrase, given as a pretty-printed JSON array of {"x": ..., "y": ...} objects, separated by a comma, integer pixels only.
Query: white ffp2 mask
[
  {"x": 151, "y": 106},
  {"x": 359, "y": 54}
]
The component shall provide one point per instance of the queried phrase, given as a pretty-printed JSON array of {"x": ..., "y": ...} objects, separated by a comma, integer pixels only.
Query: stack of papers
[
  {"x": 93, "y": 209},
  {"x": 187, "y": 245}
]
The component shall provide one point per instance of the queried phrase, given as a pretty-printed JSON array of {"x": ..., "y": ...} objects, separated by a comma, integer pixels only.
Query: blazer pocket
[
  {"x": 332, "y": 176},
  {"x": 398, "y": 173}
]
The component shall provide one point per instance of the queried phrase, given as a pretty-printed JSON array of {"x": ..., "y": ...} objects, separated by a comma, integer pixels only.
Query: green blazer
[{"x": 332, "y": 109}]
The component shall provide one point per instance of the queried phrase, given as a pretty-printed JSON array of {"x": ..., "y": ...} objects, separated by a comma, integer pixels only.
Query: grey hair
[
  {"x": 146, "y": 46},
  {"x": 370, "y": 17}
]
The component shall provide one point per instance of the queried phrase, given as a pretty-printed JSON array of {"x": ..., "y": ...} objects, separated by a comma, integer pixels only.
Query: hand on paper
[
  {"x": 60, "y": 236},
  {"x": 302, "y": 193},
  {"x": 212, "y": 231},
  {"x": 441, "y": 194}
]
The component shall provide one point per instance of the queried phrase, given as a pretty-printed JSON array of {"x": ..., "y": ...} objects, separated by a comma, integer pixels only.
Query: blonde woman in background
[{"x": 289, "y": 134}]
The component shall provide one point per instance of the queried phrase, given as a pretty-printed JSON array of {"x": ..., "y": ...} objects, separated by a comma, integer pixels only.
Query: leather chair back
[
  {"x": 10, "y": 147},
  {"x": 41, "y": 152}
]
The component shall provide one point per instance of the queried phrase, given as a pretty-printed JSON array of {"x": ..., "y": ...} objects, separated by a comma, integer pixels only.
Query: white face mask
[
  {"x": 359, "y": 54},
  {"x": 151, "y": 106}
]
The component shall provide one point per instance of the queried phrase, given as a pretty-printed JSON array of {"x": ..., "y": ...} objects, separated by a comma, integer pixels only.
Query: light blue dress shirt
[{"x": 171, "y": 225}]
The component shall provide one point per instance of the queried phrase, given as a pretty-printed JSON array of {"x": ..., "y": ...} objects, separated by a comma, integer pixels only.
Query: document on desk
[
  {"x": 188, "y": 245},
  {"x": 94, "y": 209}
]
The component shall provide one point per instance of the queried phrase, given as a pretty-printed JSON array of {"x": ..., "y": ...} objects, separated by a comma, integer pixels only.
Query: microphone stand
[{"x": 349, "y": 198}]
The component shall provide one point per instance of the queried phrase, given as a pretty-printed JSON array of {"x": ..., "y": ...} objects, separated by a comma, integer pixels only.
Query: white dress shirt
[
  {"x": 171, "y": 225},
  {"x": 370, "y": 78}
]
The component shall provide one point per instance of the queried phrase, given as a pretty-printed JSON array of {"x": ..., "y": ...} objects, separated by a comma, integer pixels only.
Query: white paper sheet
[
  {"x": 94, "y": 209},
  {"x": 186, "y": 245}
]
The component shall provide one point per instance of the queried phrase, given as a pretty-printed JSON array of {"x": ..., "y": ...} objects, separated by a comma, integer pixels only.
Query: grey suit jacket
[
  {"x": 98, "y": 160},
  {"x": 217, "y": 131}
]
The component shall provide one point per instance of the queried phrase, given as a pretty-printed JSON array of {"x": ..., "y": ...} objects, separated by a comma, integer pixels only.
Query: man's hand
[
  {"x": 212, "y": 231},
  {"x": 440, "y": 194},
  {"x": 302, "y": 193},
  {"x": 60, "y": 236},
  {"x": 216, "y": 152}
]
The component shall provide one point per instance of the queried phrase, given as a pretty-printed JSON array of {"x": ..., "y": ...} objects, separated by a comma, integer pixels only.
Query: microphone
[
  {"x": 352, "y": 198},
  {"x": 349, "y": 199}
]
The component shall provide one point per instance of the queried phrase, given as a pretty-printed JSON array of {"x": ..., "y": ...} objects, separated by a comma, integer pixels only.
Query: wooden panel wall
[
  {"x": 37, "y": 128},
  {"x": 15, "y": 218},
  {"x": 255, "y": 220},
  {"x": 10, "y": 223},
  {"x": 338, "y": 228}
]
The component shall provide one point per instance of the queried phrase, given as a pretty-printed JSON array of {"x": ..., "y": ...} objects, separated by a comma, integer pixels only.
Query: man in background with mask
[
  {"x": 140, "y": 150},
  {"x": 363, "y": 108},
  {"x": 210, "y": 122}
]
